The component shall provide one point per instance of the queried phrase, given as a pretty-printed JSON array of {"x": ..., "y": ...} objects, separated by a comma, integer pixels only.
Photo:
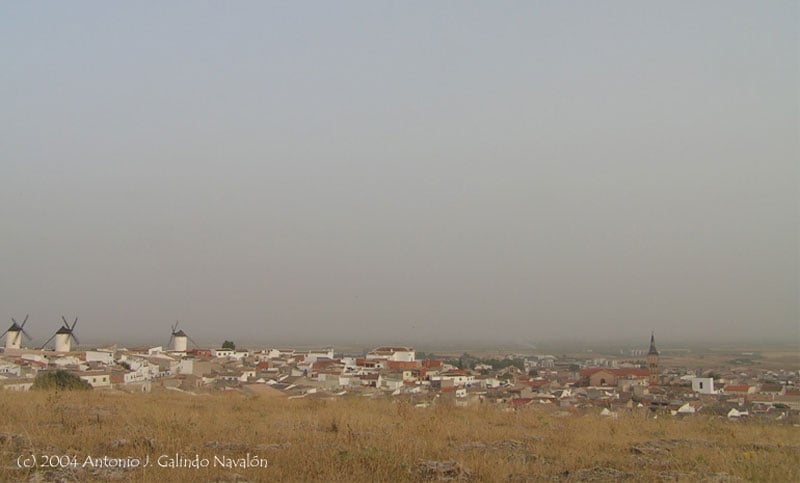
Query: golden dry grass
[{"x": 359, "y": 439}]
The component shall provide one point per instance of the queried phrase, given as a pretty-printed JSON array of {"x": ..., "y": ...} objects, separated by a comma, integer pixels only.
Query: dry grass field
[{"x": 360, "y": 439}]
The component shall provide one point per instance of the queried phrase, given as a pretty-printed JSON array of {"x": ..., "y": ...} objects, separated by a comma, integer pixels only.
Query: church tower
[{"x": 652, "y": 361}]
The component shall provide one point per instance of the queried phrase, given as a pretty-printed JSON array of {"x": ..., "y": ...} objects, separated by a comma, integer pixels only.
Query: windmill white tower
[
  {"x": 64, "y": 335},
  {"x": 14, "y": 334},
  {"x": 178, "y": 339}
]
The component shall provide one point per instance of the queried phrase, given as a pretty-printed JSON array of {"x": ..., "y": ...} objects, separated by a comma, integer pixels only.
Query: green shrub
[{"x": 61, "y": 380}]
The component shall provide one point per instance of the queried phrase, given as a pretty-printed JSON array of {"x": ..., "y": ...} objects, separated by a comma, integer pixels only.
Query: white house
[
  {"x": 104, "y": 356},
  {"x": 703, "y": 385},
  {"x": 186, "y": 366},
  {"x": 162, "y": 365},
  {"x": 458, "y": 378},
  {"x": 16, "y": 384},
  {"x": 222, "y": 352},
  {"x": 403, "y": 354},
  {"x": 734, "y": 413},
  {"x": 130, "y": 377},
  {"x": 350, "y": 363},
  {"x": 141, "y": 369},
  {"x": 489, "y": 382},
  {"x": 67, "y": 361},
  {"x": 392, "y": 384},
  {"x": 371, "y": 380},
  {"x": 10, "y": 369},
  {"x": 279, "y": 353},
  {"x": 96, "y": 379},
  {"x": 313, "y": 355}
]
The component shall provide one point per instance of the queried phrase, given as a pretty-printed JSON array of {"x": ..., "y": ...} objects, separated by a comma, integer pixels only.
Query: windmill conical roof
[
  {"x": 64, "y": 330},
  {"x": 180, "y": 333},
  {"x": 15, "y": 328}
]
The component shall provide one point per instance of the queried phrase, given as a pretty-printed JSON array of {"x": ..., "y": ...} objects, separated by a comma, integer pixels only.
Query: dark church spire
[{"x": 653, "y": 344}]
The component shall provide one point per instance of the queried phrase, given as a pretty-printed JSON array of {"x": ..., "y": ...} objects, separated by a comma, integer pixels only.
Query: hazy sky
[{"x": 375, "y": 171}]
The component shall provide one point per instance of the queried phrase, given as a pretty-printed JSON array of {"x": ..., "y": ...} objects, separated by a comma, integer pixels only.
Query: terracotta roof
[
  {"x": 535, "y": 384},
  {"x": 619, "y": 372},
  {"x": 737, "y": 388},
  {"x": 456, "y": 372},
  {"x": 326, "y": 363}
]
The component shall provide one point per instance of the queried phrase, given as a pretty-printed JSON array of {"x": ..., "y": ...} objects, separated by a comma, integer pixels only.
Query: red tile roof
[
  {"x": 456, "y": 372},
  {"x": 737, "y": 388},
  {"x": 535, "y": 384},
  {"x": 619, "y": 372},
  {"x": 404, "y": 365}
]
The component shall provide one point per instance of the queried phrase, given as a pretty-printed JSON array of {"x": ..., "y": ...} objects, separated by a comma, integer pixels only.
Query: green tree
[
  {"x": 61, "y": 380},
  {"x": 467, "y": 361},
  {"x": 228, "y": 344}
]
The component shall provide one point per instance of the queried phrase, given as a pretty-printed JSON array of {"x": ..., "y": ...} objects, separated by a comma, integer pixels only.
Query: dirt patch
[
  {"x": 660, "y": 447},
  {"x": 430, "y": 470},
  {"x": 503, "y": 445},
  {"x": 599, "y": 473}
]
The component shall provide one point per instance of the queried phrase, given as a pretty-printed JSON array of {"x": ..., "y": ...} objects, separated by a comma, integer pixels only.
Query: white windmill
[
  {"x": 178, "y": 340},
  {"x": 63, "y": 336},
  {"x": 14, "y": 334}
]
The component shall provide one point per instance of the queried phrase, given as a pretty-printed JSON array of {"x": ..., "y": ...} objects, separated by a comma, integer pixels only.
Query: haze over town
[{"x": 412, "y": 173}]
